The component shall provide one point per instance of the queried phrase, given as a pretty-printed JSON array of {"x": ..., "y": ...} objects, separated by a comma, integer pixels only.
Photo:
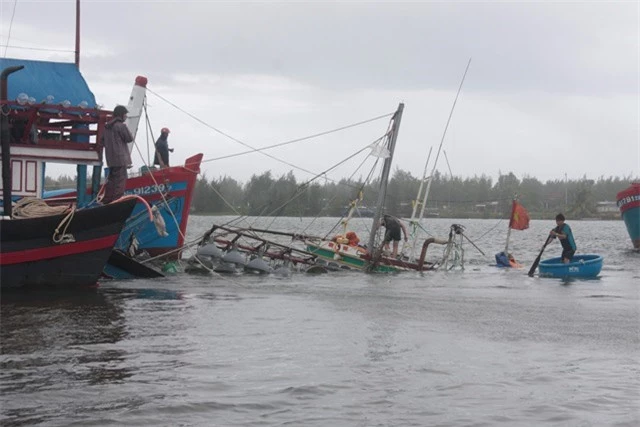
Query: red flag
[{"x": 519, "y": 217}]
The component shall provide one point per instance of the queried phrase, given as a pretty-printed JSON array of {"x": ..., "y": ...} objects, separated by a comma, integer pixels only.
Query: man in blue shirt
[{"x": 564, "y": 233}]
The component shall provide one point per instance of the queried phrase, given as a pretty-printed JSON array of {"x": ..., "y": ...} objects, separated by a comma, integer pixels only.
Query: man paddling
[{"x": 564, "y": 233}]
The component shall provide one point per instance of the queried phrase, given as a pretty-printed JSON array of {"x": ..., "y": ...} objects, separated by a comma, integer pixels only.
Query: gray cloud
[
  {"x": 547, "y": 79},
  {"x": 567, "y": 47}
]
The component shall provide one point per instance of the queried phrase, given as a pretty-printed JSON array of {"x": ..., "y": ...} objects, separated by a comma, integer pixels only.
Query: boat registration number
[{"x": 149, "y": 189}]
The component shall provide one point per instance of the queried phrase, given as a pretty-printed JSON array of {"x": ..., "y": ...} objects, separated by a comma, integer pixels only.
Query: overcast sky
[{"x": 553, "y": 88}]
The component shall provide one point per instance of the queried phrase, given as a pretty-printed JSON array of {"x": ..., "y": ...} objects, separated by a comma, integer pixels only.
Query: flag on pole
[{"x": 519, "y": 217}]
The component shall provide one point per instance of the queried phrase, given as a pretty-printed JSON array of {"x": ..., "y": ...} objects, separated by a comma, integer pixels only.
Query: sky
[{"x": 552, "y": 90}]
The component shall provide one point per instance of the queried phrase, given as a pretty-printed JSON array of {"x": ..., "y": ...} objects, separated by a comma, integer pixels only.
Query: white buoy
[{"x": 210, "y": 250}]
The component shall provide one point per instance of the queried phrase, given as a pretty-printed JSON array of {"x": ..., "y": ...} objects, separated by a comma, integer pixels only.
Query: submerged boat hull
[
  {"x": 343, "y": 256},
  {"x": 584, "y": 266},
  {"x": 629, "y": 205},
  {"x": 30, "y": 257}
]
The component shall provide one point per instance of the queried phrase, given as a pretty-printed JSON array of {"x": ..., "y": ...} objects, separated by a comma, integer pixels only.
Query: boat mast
[
  {"x": 433, "y": 169},
  {"x": 77, "y": 33},
  {"x": 513, "y": 209},
  {"x": 135, "y": 106},
  {"x": 417, "y": 202},
  {"x": 384, "y": 179}
]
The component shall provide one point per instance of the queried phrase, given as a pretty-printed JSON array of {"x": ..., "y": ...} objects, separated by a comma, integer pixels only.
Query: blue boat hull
[
  {"x": 585, "y": 266},
  {"x": 631, "y": 218},
  {"x": 629, "y": 205},
  {"x": 145, "y": 232}
]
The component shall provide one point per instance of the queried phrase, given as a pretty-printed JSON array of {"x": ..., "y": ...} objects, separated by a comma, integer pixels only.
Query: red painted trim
[
  {"x": 141, "y": 81},
  {"x": 632, "y": 190},
  {"x": 629, "y": 205},
  {"x": 187, "y": 173},
  {"x": 57, "y": 251},
  {"x": 629, "y": 198}
]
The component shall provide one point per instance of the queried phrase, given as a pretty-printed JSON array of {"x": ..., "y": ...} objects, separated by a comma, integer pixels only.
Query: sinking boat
[
  {"x": 339, "y": 252},
  {"x": 333, "y": 252}
]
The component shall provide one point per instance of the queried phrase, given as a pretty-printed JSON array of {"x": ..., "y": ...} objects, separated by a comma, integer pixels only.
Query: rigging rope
[
  {"x": 13, "y": 14},
  {"x": 261, "y": 150},
  {"x": 29, "y": 207}
]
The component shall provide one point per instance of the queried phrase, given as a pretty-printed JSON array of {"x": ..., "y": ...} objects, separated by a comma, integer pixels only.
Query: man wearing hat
[
  {"x": 116, "y": 153},
  {"x": 162, "y": 149}
]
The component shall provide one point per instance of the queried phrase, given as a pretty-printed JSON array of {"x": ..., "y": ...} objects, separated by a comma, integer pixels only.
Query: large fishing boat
[
  {"x": 37, "y": 92},
  {"x": 169, "y": 190},
  {"x": 629, "y": 205},
  {"x": 41, "y": 245}
]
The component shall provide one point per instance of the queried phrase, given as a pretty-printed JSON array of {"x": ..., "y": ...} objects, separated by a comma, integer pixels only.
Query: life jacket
[
  {"x": 514, "y": 264},
  {"x": 352, "y": 238}
]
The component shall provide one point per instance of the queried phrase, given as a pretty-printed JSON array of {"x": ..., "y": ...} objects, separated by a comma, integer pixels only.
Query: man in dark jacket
[
  {"x": 162, "y": 149},
  {"x": 393, "y": 227},
  {"x": 116, "y": 153}
]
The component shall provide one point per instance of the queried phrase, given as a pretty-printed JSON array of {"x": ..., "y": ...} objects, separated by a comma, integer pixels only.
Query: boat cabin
[{"x": 51, "y": 116}]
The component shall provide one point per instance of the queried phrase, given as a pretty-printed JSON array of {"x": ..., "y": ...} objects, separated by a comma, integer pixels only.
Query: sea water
[{"x": 479, "y": 347}]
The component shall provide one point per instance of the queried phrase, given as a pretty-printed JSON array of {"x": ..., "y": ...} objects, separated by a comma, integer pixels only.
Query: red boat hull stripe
[{"x": 57, "y": 251}]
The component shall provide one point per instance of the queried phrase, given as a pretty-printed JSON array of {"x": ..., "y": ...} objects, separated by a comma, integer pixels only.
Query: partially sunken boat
[{"x": 231, "y": 249}]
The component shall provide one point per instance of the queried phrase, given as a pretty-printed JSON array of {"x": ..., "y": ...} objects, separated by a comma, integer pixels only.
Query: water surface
[{"x": 479, "y": 347}]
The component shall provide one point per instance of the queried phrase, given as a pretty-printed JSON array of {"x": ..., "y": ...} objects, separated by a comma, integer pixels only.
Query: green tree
[{"x": 583, "y": 204}]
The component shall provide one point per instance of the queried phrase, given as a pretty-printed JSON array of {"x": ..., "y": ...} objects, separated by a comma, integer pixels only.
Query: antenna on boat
[{"x": 413, "y": 221}]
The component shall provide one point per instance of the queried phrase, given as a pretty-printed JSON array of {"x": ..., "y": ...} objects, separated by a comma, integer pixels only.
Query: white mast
[
  {"x": 433, "y": 170},
  {"x": 136, "y": 102}
]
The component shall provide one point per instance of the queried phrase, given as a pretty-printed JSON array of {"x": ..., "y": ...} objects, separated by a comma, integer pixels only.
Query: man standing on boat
[
  {"x": 116, "y": 153},
  {"x": 162, "y": 149},
  {"x": 393, "y": 227},
  {"x": 564, "y": 233}
]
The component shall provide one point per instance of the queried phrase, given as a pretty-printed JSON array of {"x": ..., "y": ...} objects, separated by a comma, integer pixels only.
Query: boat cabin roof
[
  {"x": 52, "y": 114},
  {"x": 41, "y": 79}
]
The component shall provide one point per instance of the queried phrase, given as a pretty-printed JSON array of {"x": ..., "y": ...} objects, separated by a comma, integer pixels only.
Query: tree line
[{"x": 449, "y": 196}]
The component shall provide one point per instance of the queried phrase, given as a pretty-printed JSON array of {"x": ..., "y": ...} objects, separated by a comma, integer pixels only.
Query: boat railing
[{"x": 55, "y": 126}]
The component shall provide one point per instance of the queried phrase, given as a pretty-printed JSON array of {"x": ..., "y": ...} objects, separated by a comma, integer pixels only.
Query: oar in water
[{"x": 537, "y": 260}]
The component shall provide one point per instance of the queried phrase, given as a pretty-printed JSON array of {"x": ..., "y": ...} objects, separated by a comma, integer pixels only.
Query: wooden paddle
[{"x": 537, "y": 260}]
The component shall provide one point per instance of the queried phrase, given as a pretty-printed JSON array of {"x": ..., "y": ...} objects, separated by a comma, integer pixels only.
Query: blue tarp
[{"x": 40, "y": 79}]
